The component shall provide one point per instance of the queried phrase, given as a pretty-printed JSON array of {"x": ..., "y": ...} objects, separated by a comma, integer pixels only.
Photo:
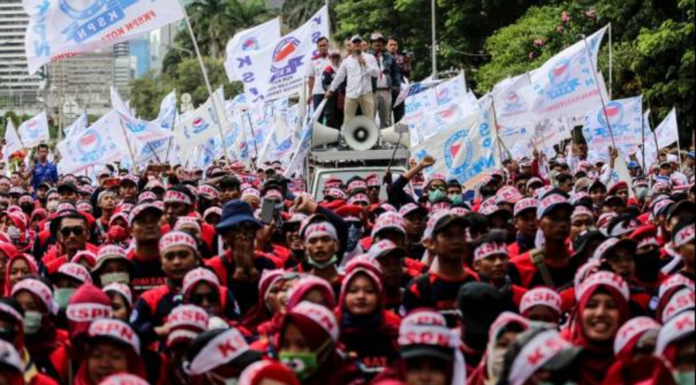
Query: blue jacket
[
  {"x": 44, "y": 173},
  {"x": 389, "y": 69}
]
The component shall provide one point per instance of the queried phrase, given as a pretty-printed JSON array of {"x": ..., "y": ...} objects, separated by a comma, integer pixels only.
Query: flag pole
[
  {"x": 205, "y": 78},
  {"x": 611, "y": 62},
  {"x": 601, "y": 97},
  {"x": 678, "y": 141},
  {"x": 125, "y": 135},
  {"x": 497, "y": 134},
  {"x": 642, "y": 128}
]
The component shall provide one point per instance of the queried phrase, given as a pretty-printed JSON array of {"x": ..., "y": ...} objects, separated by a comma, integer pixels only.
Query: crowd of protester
[{"x": 543, "y": 274}]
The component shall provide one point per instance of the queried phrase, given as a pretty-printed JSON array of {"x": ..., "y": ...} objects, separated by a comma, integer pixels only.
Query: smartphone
[{"x": 267, "y": 211}]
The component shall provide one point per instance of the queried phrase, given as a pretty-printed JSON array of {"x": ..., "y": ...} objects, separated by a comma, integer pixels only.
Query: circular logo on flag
[
  {"x": 448, "y": 115},
  {"x": 89, "y": 143},
  {"x": 614, "y": 112},
  {"x": 250, "y": 44},
  {"x": 453, "y": 147},
  {"x": 560, "y": 73},
  {"x": 81, "y": 9},
  {"x": 284, "y": 51},
  {"x": 199, "y": 125}
]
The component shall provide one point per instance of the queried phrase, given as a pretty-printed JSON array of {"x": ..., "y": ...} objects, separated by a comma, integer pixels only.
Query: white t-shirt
[{"x": 315, "y": 69}]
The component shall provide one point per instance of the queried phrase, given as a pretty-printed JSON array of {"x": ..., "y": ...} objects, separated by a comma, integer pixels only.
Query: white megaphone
[
  {"x": 396, "y": 134},
  {"x": 323, "y": 135},
  {"x": 361, "y": 133}
]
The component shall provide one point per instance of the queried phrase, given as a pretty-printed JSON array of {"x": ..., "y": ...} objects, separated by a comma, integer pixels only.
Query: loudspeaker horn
[
  {"x": 361, "y": 133},
  {"x": 391, "y": 135},
  {"x": 322, "y": 135}
]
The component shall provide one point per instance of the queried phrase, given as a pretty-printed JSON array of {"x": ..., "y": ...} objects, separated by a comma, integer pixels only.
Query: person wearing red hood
[
  {"x": 12, "y": 333},
  {"x": 202, "y": 288},
  {"x": 17, "y": 231},
  {"x": 7, "y": 251},
  {"x": 368, "y": 331},
  {"x": 267, "y": 306},
  {"x": 180, "y": 255},
  {"x": 41, "y": 335},
  {"x": 185, "y": 323},
  {"x": 267, "y": 373},
  {"x": 502, "y": 335},
  {"x": 634, "y": 347},
  {"x": 18, "y": 267},
  {"x": 307, "y": 344},
  {"x": 684, "y": 243},
  {"x": 88, "y": 303},
  {"x": 601, "y": 311},
  {"x": 111, "y": 347},
  {"x": 675, "y": 348}
]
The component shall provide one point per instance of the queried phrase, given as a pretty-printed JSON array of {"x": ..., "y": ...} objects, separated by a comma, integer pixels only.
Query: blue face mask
[
  {"x": 455, "y": 198},
  {"x": 436, "y": 195}
]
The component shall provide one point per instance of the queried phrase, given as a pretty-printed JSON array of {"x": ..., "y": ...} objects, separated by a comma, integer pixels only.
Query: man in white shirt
[
  {"x": 316, "y": 68},
  {"x": 358, "y": 69}
]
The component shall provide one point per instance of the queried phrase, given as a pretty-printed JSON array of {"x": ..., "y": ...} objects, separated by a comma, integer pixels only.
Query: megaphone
[
  {"x": 393, "y": 133},
  {"x": 322, "y": 135},
  {"x": 361, "y": 133}
]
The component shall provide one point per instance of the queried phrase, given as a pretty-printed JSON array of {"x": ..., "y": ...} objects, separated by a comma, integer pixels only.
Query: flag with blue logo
[
  {"x": 99, "y": 144},
  {"x": 78, "y": 125},
  {"x": 622, "y": 119},
  {"x": 200, "y": 125},
  {"x": 513, "y": 99},
  {"x": 167, "y": 112},
  {"x": 565, "y": 85},
  {"x": 250, "y": 40},
  {"x": 451, "y": 90},
  {"x": 667, "y": 132},
  {"x": 279, "y": 70},
  {"x": 35, "y": 130},
  {"x": 140, "y": 132},
  {"x": 301, "y": 150},
  {"x": 61, "y": 29}
]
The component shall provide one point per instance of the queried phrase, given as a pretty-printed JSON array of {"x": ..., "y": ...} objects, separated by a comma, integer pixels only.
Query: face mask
[
  {"x": 322, "y": 266},
  {"x": 435, "y": 196},
  {"x": 216, "y": 379},
  {"x": 32, "y": 322},
  {"x": 302, "y": 364},
  {"x": 455, "y": 198},
  {"x": 108, "y": 278},
  {"x": 354, "y": 234},
  {"x": 14, "y": 233},
  {"x": 641, "y": 192},
  {"x": 62, "y": 297},
  {"x": 685, "y": 378},
  {"x": 498, "y": 362},
  {"x": 52, "y": 206}
]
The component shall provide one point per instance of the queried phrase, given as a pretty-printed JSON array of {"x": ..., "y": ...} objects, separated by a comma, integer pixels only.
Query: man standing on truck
[{"x": 358, "y": 69}]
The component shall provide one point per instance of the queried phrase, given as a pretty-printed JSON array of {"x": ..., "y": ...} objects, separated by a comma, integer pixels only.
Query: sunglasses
[
  {"x": 441, "y": 188},
  {"x": 77, "y": 230},
  {"x": 209, "y": 297},
  {"x": 291, "y": 227}
]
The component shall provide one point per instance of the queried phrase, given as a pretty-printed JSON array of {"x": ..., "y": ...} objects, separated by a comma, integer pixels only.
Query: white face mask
[
  {"x": 52, "y": 206},
  {"x": 14, "y": 233},
  {"x": 108, "y": 278}
]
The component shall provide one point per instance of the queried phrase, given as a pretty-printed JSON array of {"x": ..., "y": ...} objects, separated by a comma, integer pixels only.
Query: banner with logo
[
  {"x": 301, "y": 150},
  {"x": 140, "y": 132},
  {"x": 250, "y": 40},
  {"x": 565, "y": 85},
  {"x": 78, "y": 126},
  {"x": 451, "y": 90},
  {"x": 98, "y": 145},
  {"x": 549, "y": 133},
  {"x": 447, "y": 146},
  {"x": 279, "y": 70},
  {"x": 513, "y": 99},
  {"x": 518, "y": 139},
  {"x": 35, "y": 130},
  {"x": 667, "y": 132},
  {"x": 12, "y": 141},
  {"x": 62, "y": 29},
  {"x": 625, "y": 124},
  {"x": 200, "y": 125}
]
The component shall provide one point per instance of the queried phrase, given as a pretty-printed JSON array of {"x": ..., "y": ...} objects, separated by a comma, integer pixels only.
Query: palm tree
[{"x": 296, "y": 12}]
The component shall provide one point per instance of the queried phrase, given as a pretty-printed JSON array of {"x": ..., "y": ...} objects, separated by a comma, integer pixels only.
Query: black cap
[
  {"x": 580, "y": 243},
  {"x": 487, "y": 301},
  {"x": 69, "y": 186}
]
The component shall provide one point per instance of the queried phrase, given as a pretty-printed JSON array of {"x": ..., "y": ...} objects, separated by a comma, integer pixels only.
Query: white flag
[
  {"x": 167, "y": 112},
  {"x": 278, "y": 71},
  {"x": 12, "y": 141},
  {"x": 78, "y": 126},
  {"x": 513, "y": 99},
  {"x": 668, "y": 132},
  {"x": 648, "y": 142},
  {"x": 550, "y": 133},
  {"x": 200, "y": 125},
  {"x": 621, "y": 174},
  {"x": 35, "y": 130},
  {"x": 250, "y": 40},
  {"x": 565, "y": 85},
  {"x": 59, "y": 30},
  {"x": 99, "y": 144},
  {"x": 451, "y": 90},
  {"x": 625, "y": 122}
]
